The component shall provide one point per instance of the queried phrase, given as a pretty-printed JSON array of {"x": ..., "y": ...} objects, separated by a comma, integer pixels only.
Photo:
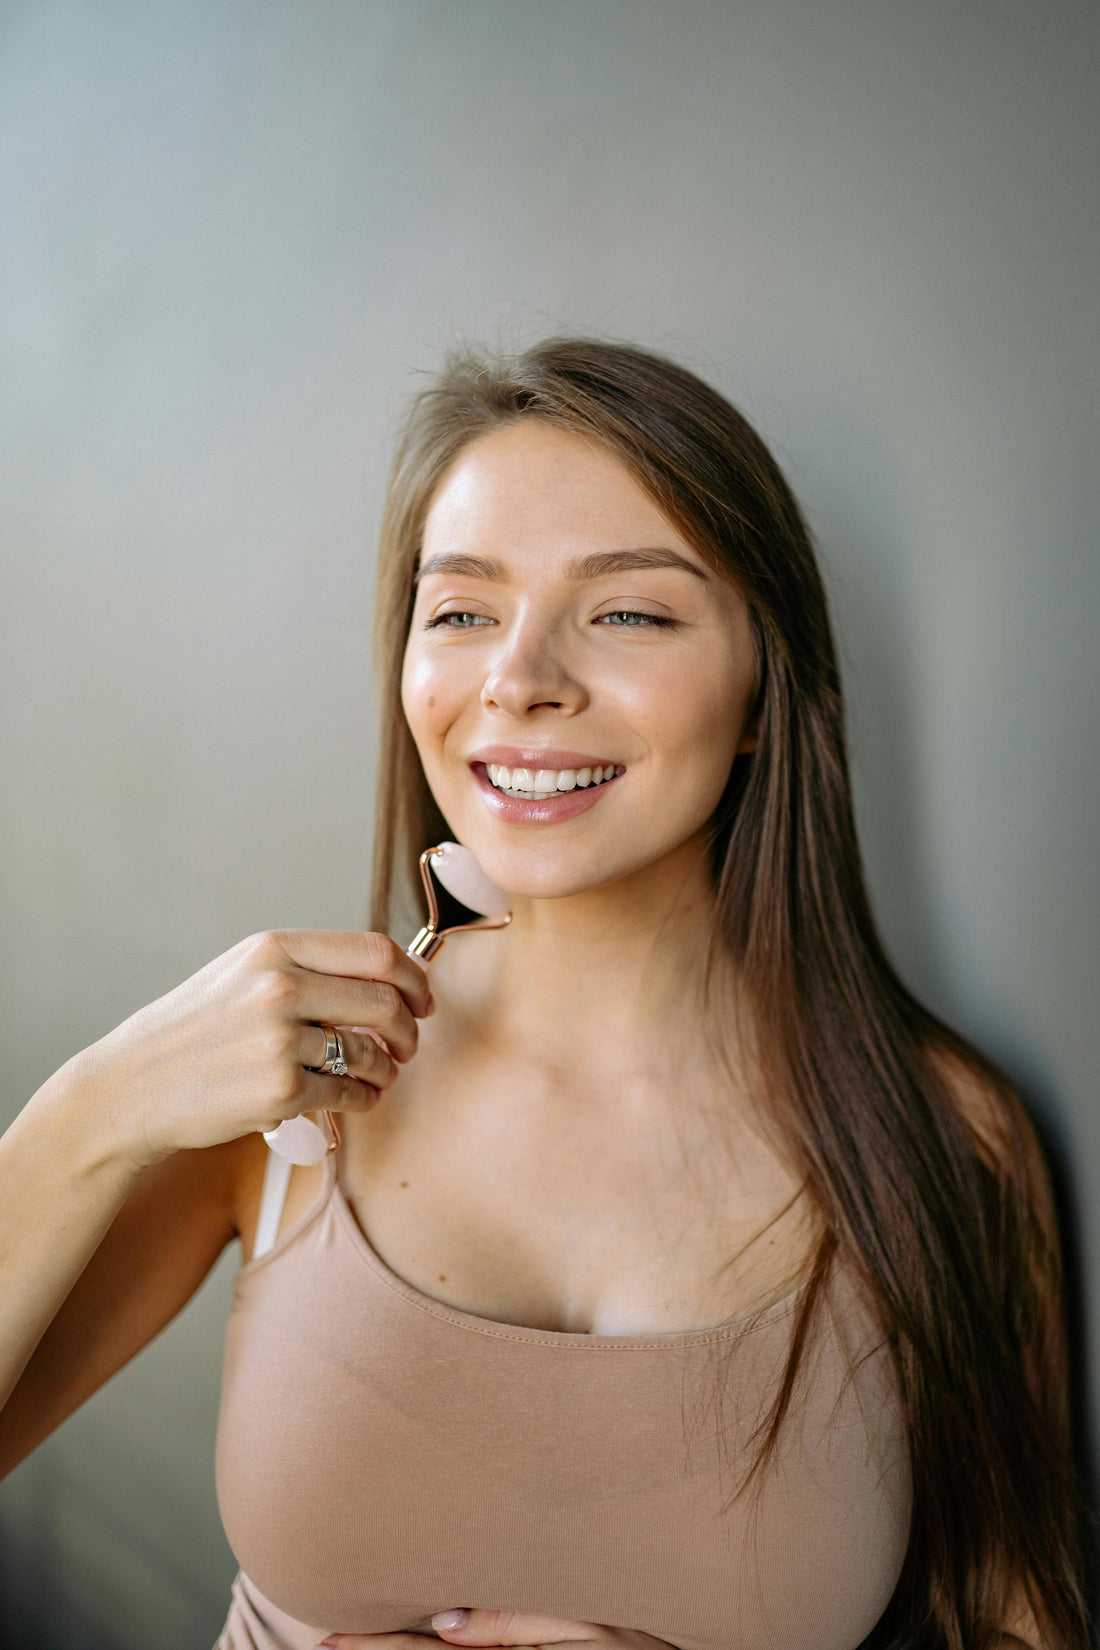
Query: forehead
[{"x": 532, "y": 487}]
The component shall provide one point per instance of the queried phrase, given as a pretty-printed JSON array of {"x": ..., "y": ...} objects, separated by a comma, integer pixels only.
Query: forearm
[{"x": 63, "y": 1179}]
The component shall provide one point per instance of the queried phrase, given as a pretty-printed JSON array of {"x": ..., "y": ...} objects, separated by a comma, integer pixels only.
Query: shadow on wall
[
  {"x": 41, "y": 1612},
  {"x": 54, "y": 1597},
  {"x": 109, "y": 1532}
]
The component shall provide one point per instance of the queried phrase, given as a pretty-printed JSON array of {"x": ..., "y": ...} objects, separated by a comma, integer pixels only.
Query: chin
[{"x": 542, "y": 871}]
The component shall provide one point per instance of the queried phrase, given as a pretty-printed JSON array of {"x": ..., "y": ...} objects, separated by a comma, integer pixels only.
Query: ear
[{"x": 749, "y": 736}]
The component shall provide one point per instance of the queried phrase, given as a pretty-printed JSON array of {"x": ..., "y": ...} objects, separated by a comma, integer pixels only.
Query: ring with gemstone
[{"x": 335, "y": 1062}]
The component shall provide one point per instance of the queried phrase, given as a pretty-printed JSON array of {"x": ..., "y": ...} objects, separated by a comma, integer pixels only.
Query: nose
[{"x": 528, "y": 672}]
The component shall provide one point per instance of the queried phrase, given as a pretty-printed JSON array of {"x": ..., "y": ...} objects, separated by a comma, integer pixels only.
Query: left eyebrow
[{"x": 599, "y": 565}]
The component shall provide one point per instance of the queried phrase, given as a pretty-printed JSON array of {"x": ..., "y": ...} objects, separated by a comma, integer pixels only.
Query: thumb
[{"x": 508, "y": 1627}]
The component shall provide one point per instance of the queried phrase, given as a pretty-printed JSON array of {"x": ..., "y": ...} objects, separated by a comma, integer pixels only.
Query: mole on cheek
[{"x": 431, "y": 700}]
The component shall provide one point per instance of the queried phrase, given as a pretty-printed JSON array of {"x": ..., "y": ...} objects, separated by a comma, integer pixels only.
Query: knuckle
[
  {"x": 381, "y": 950},
  {"x": 383, "y": 1069},
  {"x": 276, "y": 990},
  {"x": 387, "y": 1000},
  {"x": 263, "y": 944},
  {"x": 279, "y": 1043}
]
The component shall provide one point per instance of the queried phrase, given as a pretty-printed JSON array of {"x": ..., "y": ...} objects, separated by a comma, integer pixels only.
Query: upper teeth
[{"x": 540, "y": 782}]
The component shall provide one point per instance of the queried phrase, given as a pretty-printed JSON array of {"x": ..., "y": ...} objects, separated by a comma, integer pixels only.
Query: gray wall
[{"x": 234, "y": 233}]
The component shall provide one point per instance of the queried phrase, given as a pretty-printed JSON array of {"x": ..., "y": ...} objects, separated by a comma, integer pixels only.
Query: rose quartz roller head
[{"x": 299, "y": 1139}]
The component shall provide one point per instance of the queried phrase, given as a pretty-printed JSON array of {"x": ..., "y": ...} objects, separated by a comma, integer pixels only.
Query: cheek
[
  {"x": 440, "y": 683},
  {"x": 696, "y": 712},
  {"x": 422, "y": 692}
]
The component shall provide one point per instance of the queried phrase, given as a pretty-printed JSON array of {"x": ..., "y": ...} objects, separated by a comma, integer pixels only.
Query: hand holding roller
[{"x": 300, "y": 1140}]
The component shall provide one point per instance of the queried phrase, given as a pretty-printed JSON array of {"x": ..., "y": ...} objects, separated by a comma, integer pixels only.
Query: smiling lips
[
  {"x": 538, "y": 796},
  {"x": 540, "y": 783}
]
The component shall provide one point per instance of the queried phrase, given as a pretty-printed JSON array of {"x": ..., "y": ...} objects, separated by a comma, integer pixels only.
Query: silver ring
[{"x": 334, "y": 1062}]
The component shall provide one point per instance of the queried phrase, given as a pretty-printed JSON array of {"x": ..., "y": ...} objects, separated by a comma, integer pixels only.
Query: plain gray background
[{"x": 233, "y": 236}]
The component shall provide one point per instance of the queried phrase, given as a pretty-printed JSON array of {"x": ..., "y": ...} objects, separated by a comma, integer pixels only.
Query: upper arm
[{"x": 178, "y": 1218}]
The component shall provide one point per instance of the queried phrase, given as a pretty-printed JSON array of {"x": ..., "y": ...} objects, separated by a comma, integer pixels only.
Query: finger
[
  {"x": 509, "y": 1627},
  {"x": 316, "y": 1091},
  {"x": 358, "y": 956},
  {"x": 372, "y": 1641},
  {"x": 374, "y": 1005},
  {"x": 366, "y": 1058}
]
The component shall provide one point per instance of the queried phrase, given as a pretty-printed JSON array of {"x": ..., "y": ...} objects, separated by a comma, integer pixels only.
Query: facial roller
[{"x": 298, "y": 1139}]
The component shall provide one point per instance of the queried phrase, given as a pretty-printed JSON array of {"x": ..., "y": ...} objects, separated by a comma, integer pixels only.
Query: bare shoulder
[
  {"x": 1002, "y": 1132},
  {"x": 996, "y": 1122}
]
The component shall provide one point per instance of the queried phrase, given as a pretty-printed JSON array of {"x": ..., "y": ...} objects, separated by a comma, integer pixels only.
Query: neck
[{"x": 596, "y": 979}]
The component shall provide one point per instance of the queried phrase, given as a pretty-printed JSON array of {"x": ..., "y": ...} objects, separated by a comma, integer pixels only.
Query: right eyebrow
[
  {"x": 601, "y": 564},
  {"x": 474, "y": 567}
]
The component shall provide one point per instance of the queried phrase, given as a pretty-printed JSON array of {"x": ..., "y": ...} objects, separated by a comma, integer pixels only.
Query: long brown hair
[{"x": 918, "y": 1155}]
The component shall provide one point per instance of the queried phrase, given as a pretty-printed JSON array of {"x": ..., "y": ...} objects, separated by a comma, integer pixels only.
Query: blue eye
[
  {"x": 634, "y": 620},
  {"x": 446, "y": 618},
  {"x": 621, "y": 619}
]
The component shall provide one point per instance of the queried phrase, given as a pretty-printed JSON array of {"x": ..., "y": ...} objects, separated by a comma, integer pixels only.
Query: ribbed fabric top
[{"x": 381, "y": 1456}]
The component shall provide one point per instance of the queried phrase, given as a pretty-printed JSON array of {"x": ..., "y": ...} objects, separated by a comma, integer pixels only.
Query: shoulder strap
[{"x": 276, "y": 1180}]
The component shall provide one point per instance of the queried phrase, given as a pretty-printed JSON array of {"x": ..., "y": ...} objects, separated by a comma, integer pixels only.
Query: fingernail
[
  {"x": 431, "y": 1005},
  {"x": 450, "y": 1618},
  {"x": 331, "y": 1643}
]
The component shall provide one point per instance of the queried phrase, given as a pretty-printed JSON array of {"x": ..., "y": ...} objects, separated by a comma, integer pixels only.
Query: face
[{"x": 564, "y": 629}]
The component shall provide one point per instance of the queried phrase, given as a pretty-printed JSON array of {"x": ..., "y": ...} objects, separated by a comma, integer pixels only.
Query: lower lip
[{"x": 563, "y": 805}]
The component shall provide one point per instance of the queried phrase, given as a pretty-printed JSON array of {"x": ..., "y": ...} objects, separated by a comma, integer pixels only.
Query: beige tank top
[{"x": 382, "y": 1456}]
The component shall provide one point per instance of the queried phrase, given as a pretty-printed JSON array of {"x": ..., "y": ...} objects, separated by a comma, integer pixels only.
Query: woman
[{"x": 679, "y": 1279}]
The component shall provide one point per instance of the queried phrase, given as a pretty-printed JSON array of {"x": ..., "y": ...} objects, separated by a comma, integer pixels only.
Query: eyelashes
[
  {"x": 444, "y": 618},
  {"x": 636, "y": 620},
  {"x": 658, "y": 619}
]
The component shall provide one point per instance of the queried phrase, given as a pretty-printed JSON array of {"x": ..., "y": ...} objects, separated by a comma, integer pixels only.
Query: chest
[
  {"x": 550, "y": 1210},
  {"x": 379, "y": 1459}
]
